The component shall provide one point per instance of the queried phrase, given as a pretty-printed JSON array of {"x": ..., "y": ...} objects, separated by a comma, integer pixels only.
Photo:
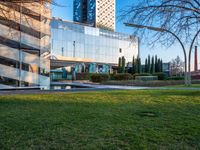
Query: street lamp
[
  {"x": 74, "y": 45},
  {"x": 62, "y": 51}
]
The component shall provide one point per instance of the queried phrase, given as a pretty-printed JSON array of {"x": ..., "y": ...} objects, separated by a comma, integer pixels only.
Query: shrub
[
  {"x": 99, "y": 78},
  {"x": 112, "y": 76},
  {"x": 123, "y": 76},
  {"x": 83, "y": 76},
  {"x": 175, "y": 78},
  {"x": 160, "y": 75}
]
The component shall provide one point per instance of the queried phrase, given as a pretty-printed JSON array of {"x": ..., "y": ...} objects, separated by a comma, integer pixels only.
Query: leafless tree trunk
[{"x": 172, "y": 19}]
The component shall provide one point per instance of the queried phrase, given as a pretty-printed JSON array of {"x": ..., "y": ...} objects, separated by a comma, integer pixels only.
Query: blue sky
[{"x": 65, "y": 11}]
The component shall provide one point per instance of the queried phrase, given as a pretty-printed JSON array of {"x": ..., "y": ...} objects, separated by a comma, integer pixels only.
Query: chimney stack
[{"x": 196, "y": 60}]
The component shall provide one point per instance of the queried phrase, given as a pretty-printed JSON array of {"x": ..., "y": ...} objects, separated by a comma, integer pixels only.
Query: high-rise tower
[{"x": 97, "y": 13}]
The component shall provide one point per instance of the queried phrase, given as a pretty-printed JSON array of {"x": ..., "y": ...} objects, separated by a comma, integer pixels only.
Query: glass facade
[{"x": 78, "y": 42}]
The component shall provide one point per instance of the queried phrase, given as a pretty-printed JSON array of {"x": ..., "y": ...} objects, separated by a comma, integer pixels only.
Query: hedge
[
  {"x": 98, "y": 78},
  {"x": 83, "y": 76},
  {"x": 123, "y": 76},
  {"x": 175, "y": 78},
  {"x": 160, "y": 75}
]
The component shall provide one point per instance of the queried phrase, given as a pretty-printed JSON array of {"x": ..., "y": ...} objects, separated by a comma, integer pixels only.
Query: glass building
[
  {"x": 75, "y": 43},
  {"x": 24, "y": 41},
  {"x": 97, "y": 13}
]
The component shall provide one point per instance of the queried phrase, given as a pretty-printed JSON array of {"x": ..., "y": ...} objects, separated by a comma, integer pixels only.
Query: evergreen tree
[
  {"x": 146, "y": 66},
  {"x": 139, "y": 65},
  {"x": 156, "y": 63},
  {"x": 120, "y": 65},
  {"x": 123, "y": 64},
  {"x": 152, "y": 65},
  {"x": 149, "y": 64},
  {"x": 133, "y": 65},
  {"x": 136, "y": 65},
  {"x": 161, "y": 66}
]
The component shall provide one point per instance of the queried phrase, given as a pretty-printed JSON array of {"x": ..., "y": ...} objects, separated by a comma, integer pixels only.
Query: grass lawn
[{"x": 101, "y": 120}]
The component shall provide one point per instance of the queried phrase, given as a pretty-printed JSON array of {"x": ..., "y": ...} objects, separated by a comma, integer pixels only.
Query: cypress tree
[
  {"x": 152, "y": 65},
  {"x": 146, "y": 66},
  {"x": 139, "y": 65},
  {"x": 161, "y": 64},
  {"x": 149, "y": 64},
  {"x": 133, "y": 65},
  {"x": 136, "y": 65},
  {"x": 156, "y": 63},
  {"x": 119, "y": 65},
  {"x": 123, "y": 64}
]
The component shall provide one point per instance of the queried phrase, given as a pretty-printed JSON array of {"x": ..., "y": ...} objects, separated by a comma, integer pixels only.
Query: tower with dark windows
[{"x": 96, "y": 13}]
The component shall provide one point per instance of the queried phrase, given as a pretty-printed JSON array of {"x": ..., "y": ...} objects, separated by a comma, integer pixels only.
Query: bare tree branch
[{"x": 171, "y": 19}]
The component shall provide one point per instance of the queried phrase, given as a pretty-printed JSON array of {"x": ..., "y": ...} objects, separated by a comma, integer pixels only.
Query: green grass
[{"x": 101, "y": 120}]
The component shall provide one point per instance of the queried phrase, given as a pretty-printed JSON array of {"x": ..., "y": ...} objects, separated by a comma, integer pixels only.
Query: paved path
[
  {"x": 55, "y": 91},
  {"x": 99, "y": 86},
  {"x": 89, "y": 88},
  {"x": 85, "y": 88}
]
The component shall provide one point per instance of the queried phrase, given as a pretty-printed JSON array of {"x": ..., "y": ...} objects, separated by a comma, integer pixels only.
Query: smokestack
[{"x": 195, "y": 60}]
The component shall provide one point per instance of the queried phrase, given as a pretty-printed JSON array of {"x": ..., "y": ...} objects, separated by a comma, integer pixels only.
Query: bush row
[
  {"x": 122, "y": 76},
  {"x": 175, "y": 78},
  {"x": 98, "y": 78},
  {"x": 83, "y": 76},
  {"x": 125, "y": 76}
]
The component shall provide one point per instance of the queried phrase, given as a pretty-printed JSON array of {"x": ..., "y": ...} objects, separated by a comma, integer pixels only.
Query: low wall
[{"x": 149, "y": 83}]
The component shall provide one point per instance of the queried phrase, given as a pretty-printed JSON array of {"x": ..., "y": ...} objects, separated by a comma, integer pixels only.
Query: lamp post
[
  {"x": 74, "y": 45},
  {"x": 187, "y": 81},
  {"x": 62, "y": 51}
]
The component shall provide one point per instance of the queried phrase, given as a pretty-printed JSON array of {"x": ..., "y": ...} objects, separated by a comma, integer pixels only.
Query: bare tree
[
  {"x": 9, "y": 9},
  {"x": 171, "y": 19},
  {"x": 176, "y": 66},
  {"x": 15, "y": 10}
]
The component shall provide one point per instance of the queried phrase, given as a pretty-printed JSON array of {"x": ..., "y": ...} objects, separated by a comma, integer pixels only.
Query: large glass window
[{"x": 96, "y": 44}]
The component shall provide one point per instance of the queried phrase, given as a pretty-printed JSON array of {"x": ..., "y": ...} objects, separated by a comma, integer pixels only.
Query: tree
[
  {"x": 123, "y": 64},
  {"x": 139, "y": 65},
  {"x": 161, "y": 66},
  {"x": 120, "y": 65},
  {"x": 146, "y": 66},
  {"x": 176, "y": 67},
  {"x": 11, "y": 10},
  {"x": 15, "y": 15},
  {"x": 152, "y": 65},
  {"x": 173, "y": 20},
  {"x": 133, "y": 65},
  {"x": 156, "y": 64},
  {"x": 149, "y": 64}
]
